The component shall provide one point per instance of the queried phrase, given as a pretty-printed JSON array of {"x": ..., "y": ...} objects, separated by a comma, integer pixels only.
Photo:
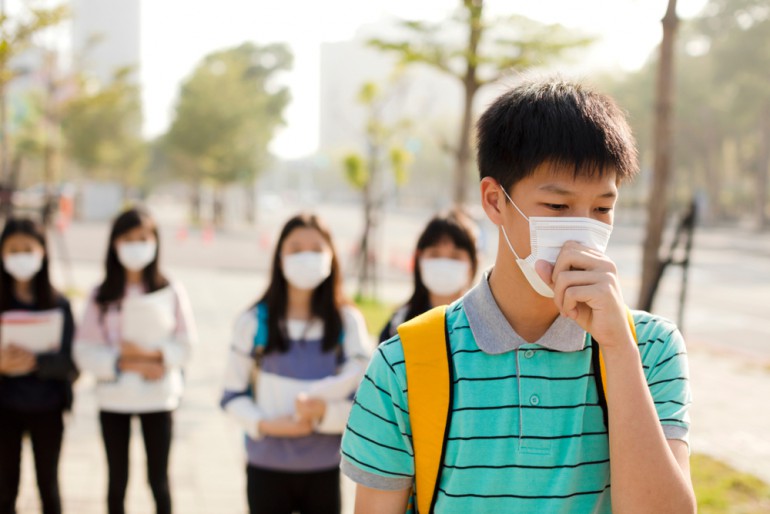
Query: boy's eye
[
  {"x": 604, "y": 210},
  {"x": 557, "y": 206}
]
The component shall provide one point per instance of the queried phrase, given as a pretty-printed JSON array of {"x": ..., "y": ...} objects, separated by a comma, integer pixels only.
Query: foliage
[
  {"x": 721, "y": 489},
  {"x": 227, "y": 113},
  {"x": 102, "y": 129},
  {"x": 18, "y": 33},
  {"x": 722, "y": 107},
  {"x": 478, "y": 51},
  {"x": 376, "y": 313}
]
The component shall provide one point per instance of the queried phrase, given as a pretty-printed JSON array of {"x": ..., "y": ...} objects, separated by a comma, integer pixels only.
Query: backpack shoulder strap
[
  {"x": 429, "y": 381},
  {"x": 260, "y": 336},
  {"x": 600, "y": 373}
]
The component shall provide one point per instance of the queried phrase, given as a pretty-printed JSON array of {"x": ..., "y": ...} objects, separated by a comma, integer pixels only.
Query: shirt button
[
  {"x": 534, "y": 399},
  {"x": 529, "y": 354}
]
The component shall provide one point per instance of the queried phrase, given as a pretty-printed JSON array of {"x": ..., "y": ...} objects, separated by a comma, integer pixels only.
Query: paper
[
  {"x": 148, "y": 320},
  {"x": 34, "y": 331}
]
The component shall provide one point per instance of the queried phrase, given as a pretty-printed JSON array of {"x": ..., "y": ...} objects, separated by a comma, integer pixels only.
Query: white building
[{"x": 105, "y": 36}]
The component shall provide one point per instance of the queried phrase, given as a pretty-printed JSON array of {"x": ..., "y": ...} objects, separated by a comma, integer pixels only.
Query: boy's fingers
[
  {"x": 545, "y": 270},
  {"x": 569, "y": 279}
]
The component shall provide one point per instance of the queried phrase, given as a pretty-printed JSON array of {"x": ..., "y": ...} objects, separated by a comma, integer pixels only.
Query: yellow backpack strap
[
  {"x": 602, "y": 377},
  {"x": 429, "y": 384}
]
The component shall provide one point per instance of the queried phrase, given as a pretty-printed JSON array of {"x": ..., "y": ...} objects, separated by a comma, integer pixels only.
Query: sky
[{"x": 176, "y": 34}]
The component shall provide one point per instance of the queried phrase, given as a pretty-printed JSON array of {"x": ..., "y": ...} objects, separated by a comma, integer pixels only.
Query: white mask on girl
[
  {"x": 23, "y": 266},
  {"x": 547, "y": 234},
  {"x": 306, "y": 270},
  {"x": 444, "y": 277},
  {"x": 137, "y": 255}
]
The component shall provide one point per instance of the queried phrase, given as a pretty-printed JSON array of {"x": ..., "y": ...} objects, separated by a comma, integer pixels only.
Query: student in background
[
  {"x": 295, "y": 360},
  {"x": 35, "y": 389},
  {"x": 142, "y": 380},
  {"x": 445, "y": 262}
]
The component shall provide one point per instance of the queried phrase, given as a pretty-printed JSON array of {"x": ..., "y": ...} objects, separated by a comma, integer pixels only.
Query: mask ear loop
[{"x": 503, "y": 228}]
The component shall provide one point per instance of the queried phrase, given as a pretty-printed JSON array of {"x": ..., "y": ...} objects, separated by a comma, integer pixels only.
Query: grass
[
  {"x": 721, "y": 489},
  {"x": 376, "y": 314}
]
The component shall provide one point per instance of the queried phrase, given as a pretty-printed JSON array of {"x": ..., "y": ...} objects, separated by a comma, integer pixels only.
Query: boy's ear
[{"x": 492, "y": 200}]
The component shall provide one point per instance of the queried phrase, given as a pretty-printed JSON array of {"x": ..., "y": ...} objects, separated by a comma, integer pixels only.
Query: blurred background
[{"x": 226, "y": 117}]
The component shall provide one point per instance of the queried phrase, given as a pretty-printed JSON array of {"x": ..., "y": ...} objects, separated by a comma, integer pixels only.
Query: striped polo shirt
[{"x": 527, "y": 433}]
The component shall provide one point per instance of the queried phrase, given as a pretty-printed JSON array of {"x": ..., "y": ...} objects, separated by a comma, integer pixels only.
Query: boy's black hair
[{"x": 557, "y": 122}]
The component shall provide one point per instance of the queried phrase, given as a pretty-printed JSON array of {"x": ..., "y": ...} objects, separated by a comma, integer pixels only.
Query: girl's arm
[
  {"x": 238, "y": 398},
  {"x": 59, "y": 365},
  {"x": 339, "y": 389},
  {"x": 92, "y": 352}
]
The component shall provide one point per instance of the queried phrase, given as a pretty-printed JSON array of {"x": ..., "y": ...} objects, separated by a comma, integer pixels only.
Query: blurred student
[
  {"x": 135, "y": 338},
  {"x": 36, "y": 373},
  {"x": 446, "y": 260},
  {"x": 295, "y": 360}
]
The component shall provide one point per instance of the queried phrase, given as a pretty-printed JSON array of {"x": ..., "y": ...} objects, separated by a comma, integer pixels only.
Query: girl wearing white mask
[
  {"x": 35, "y": 376},
  {"x": 309, "y": 348},
  {"x": 445, "y": 262},
  {"x": 136, "y": 379}
]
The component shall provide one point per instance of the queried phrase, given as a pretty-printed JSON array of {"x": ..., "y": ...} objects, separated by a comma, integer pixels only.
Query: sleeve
[
  {"x": 59, "y": 365},
  {"x": 377, "y": 445},
  {"x": 664, "y": 358},
  {"x": 237, "y": 398},
  {"x": 357, "y": 349},
  {"x": 176, "y": 351},
  {"x": 92, "y": 352}
]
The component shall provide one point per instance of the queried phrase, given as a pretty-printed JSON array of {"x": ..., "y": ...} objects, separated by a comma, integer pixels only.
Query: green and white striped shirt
[{"x": 526, "y": 433}]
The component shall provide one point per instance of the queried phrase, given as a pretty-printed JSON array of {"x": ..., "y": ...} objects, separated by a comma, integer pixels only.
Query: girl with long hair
[
  {"x": 295, "y": 361},
  {"x": 135, "y": 338},
  {"x": 35, "y": 381},
  {"x": 445, "y": 262}
]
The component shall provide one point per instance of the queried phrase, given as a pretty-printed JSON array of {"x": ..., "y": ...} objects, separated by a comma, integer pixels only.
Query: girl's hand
[
  {"x": 16, "y": 361},
  {"x": 286, "y": 426},
  {"x": 149, "y": 370},
  {"x": 309, "y": 408},
  {"x": 129, "y": 350}
]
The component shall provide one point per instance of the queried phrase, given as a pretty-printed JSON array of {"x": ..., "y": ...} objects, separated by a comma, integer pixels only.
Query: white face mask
[
  {"x": 546, "y": 237},
  {"x": 23, "y": 266},
  {"x": 136, "y": 256},
  {"x": 306, "y": 270},
  {"x": 444, "y": 277}
]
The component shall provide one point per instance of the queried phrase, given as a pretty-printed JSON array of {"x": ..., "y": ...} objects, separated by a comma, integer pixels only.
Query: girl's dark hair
[
  {"x": 327, "y": 300},
  {"x": 113, "y": 288},
  {"x": 555, "y": 122},
  {"x": 454, "y": 225},
  {"x": 45, "y": 294}
]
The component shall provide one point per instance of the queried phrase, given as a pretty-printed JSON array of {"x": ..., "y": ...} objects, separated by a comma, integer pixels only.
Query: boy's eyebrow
[{"x": 559, "y": 190}]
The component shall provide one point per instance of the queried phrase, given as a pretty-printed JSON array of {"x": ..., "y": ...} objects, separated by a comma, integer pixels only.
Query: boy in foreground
[{"x": 526, "y": 429}]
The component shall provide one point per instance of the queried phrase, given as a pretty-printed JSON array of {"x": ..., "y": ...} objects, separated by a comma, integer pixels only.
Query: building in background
[{"x": 105, "y": 36}]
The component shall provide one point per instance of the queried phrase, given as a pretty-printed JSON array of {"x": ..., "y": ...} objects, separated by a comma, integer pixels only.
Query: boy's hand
[
  {"x": 586, "y": 289},
  {"x": 16, "y": 361},
  {"x": 150, "y": 370}
]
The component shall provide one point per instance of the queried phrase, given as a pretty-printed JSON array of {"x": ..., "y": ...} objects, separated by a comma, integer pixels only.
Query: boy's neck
[{"x": 529, "y": 314}]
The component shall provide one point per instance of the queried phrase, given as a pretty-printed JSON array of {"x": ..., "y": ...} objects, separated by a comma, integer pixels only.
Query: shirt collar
[{"x": 494, "y": 335}]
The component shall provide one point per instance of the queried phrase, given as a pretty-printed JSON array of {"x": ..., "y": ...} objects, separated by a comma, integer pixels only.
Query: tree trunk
[
  {"x": 713, "y": 168},
  {"x": 364, "y": 270},
  {"x": 764, "y": 168},
  {"x": 251, "y": 204},
  {"x": 470, "y": 86},
  {"x": 657, "y": 204},
  {"x": 195, "y": 203}
]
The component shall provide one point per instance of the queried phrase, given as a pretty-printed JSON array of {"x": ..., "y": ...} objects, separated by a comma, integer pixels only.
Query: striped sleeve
[
  {"x": 664, "y": 357},
  {"x": 376, "y": 446}
]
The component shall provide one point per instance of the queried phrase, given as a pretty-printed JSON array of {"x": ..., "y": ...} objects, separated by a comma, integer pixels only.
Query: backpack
[{"x": 427, "y": 355}]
